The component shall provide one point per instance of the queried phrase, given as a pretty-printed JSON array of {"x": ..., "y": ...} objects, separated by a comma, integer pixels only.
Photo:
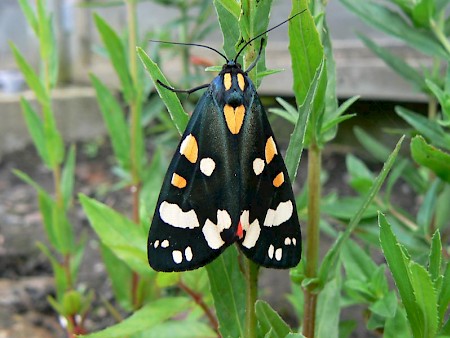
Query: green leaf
[
  {"x": 117, "y": 54},
  {"x": 346, "y": 208},
  {"x": 426, "y": 298},
  {"x": 381, "y": 153},
  {"x": 228, "y": 290},
  {"x": 178, "y": 115},
  {"x": 59, "y": 274},
  {"x": 329, "y": 263},
  {"x": 115, "y": 121},
  {"x": 398, "y": 263},
  {"x": 361, "y": 177},
  {"x": 428, "y": 128},
  {"x": 297, "y": 139},
  {"x": 150, "y": 315},
  {"x": 31, "y": 77},
  {"x": 391, "y": 22},
  {"x": 36, "y": 130},
  {"x": 431, "y": 157},
  {"x": 397, "y": 327},
  {"x": 68, "y": 177},
  {"x": 328, "y": 310},
  {"x": 228, "y": 12},
  {"x": 396, "y": 63},
  {"x": 357, "y": 263},
  {"x": 122, "y": 236},
  {"x": 385, "y": 306},
  {"x": 269, "y": 319},
  {"x": 435, "y": 257},
  {"x": 29, "y": 15},
  {"x": 444, "y": 294},
  {"x": 47, "y": 40},
  {"x": 120, "y": 276},
  {"x": 306, "y": 50},
  {"x": 186, "y": 328}
]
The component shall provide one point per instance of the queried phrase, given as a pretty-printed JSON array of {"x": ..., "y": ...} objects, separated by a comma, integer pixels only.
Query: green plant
[
  {"x": 423, "y": 26},
  {"x": 64, "y": 251}
]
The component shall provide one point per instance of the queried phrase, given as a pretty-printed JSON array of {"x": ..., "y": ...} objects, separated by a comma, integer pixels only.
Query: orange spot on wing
[
  {"x": 278, "y": 180},
  {"x": 178, "y": 181},
  {"x": 227, "y": 81},
  {"x": 271, "y": 150},
  {"x": 189, "y": 148},
  {"x": 234, "y": 117}
]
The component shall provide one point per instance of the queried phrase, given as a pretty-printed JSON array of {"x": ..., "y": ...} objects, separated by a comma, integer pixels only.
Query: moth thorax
[{"x": 234, "y": 98}]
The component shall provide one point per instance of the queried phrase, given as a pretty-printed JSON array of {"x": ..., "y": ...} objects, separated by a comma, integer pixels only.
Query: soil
[{"x": 25, "y": 273}]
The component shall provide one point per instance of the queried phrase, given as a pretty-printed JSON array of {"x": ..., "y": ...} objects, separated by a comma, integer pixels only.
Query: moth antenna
[
  {"x": 191, "y": 44},
  {"x": 263, "y": 33}
]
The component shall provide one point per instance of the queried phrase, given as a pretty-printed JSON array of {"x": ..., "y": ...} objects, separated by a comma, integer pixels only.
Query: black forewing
[
  {"x": 205, "y": 195},
  {"x": 260, "y": 194}
]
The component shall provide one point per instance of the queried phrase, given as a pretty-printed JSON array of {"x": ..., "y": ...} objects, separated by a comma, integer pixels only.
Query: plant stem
[
  {"x": 134, "y": 132},
  {"x": 312, "y": 242},
  {"x": 197, "y": 297}
]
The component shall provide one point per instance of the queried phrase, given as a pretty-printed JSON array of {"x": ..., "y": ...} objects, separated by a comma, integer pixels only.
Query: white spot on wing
[
  {"x": 258, "y": 166},
  {"x": 223, "y": 220},
  {"x": 270, "y": 251},
  {"x": 207, "y": 166},
  {"x": 278, "y": 254},
  {"x": 252, "y": 234},
  {"x": 177, "y": 256},
  {"x": 280, "y": 215},
  {"x": 212, "y": 235},
  {"x": 287, "y": 241},
  {"x": 294, "y": 241},
  {"x": 164, "y": 243},
  {"x": 188, "y": 253},
  {"x": 173, "y": 215},
  {"x": 244, "y": 219},
  {"x": 156, "y": 244}
]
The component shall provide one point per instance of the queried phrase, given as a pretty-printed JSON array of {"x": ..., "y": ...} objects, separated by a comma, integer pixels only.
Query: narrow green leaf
[
  {"x": 328, "y": 310},
  {"x": 29, "y": 15},
  {"x": 397, "y": 327},
  {"x": 63, "y": 230},
  {"x": 426, "y": 298},
  {"x": 396, "y": 63},
  {"x": 68, "y": 177},
  {"x": 385, "y": 306},
  {"x": 36, "y": 130},
  {"x": 297, "y": 139},
  {"x": 30, "y": 75},
  {"x": 391, "y": 22},
  {"x": 444, "y": 294},
  {"x": 47, "y": 41},
  {"x": 115, "y": 121},
  {"x": 427, "y": 208},
  {"x": 269, "y": 319},
  {"x": 176, "y": 111},
  {"x": 329, "y": 262},
  {"x": 117, "y": 54},
  {"x": 431, "y": 157},
  {"x": 150, "y": 315},
  {"x": 59, "y": 274},
  {"x": 186, "y": 328},
  {"x": 125, "y": 238},
  {"x": 228, "y": 291},
  {"x": 120, "y": 276},
  {"x": 381, "y": 153},
  {"x": 229, "y": 25},
  {"x": 357, "y": 263},
  {"x": 398, "y": 263},
  {"x": 231, "y": 6},
  {"x": 305, "y": 49},
  {"x": 428, "y": 128}
]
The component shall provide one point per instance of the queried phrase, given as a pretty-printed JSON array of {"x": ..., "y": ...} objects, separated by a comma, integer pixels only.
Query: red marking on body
[{"x": 240, "y": 231}]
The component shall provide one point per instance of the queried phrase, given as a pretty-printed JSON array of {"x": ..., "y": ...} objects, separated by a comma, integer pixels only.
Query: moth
[{"x": 226, "y": 183}]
